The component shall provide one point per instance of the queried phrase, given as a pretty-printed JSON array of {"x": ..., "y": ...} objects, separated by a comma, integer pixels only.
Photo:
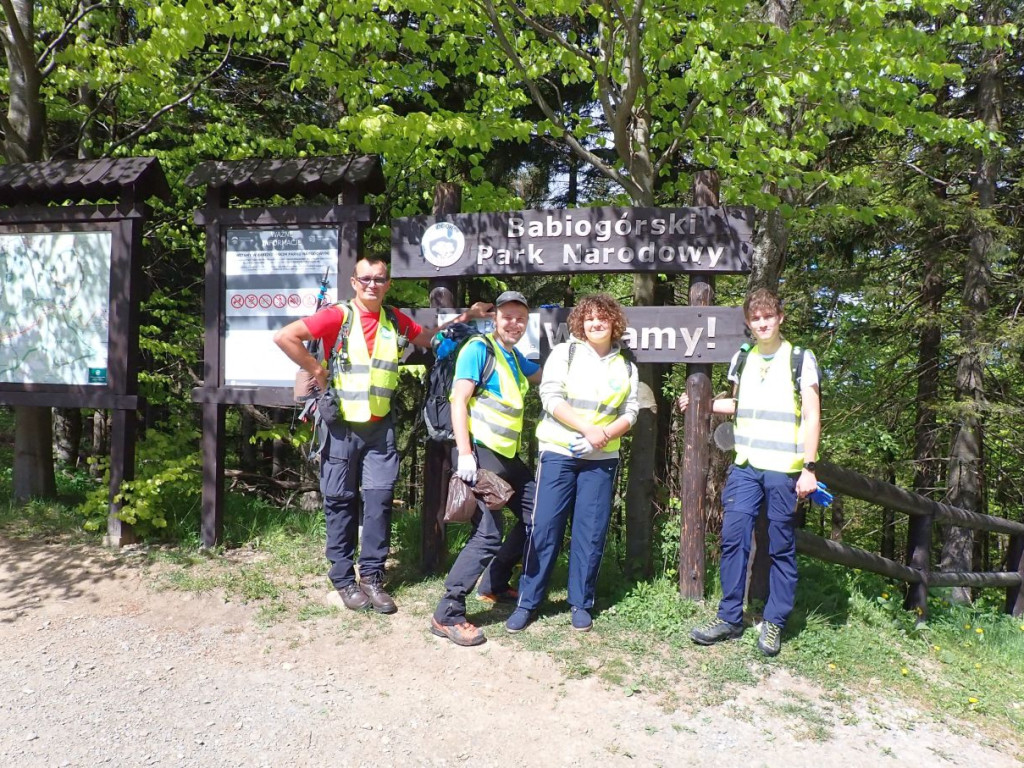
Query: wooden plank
[
  {"x": 122, "y": 469},
  {"x": 101, "y": 398},
  {"x": 311, "y": 175},
  {"x": 282, "y": 397},
  {"x": 284, "y": 215},
  {"x": 76, "y": 184},
  {"x": 834, "y": 552},
  {"x": 26, "y": 219},
  {"x": 972, "y": 579},
  {"x": 701, "y": 239},
  {"x": 213, "y": 446},
  {"x": 210, "y": 174},
  {"x": 851, "y": 483}
]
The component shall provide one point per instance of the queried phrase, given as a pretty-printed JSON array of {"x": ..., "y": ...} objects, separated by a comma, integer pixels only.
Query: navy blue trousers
[
  {"x": 358, "y": 457},
  {"x": 745, "y": 491},
  {"x": 584, "y": 488},
  {"x": 485, "y": 558}
]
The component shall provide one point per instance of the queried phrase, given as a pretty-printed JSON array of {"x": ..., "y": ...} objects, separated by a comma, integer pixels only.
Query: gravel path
[{"x": 97, "y": 669}]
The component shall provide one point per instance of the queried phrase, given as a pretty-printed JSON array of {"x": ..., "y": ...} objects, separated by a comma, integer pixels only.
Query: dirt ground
[{"x": 97, "y": 668}]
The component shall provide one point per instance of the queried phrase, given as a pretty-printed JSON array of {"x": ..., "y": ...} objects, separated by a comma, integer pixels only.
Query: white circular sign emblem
[{"x": 442, "y": 244}]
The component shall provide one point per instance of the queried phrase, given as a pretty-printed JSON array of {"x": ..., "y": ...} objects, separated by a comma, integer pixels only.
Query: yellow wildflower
[
  {"x": 972, "y": 700},
  {"x": 832, "y": 666},
  {"x": 903, "y": 671},
  {"x": 980, "y": 631},
  {"x": 967, "y": 626},
  {"x": 885, "y": 595}
]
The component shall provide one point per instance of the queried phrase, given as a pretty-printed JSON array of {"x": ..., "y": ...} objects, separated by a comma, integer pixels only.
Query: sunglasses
[{"x": 368, "y": 281}]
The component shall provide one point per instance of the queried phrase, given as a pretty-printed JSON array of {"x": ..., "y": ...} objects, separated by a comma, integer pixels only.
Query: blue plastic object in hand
[{"x": 821, "y": 497}]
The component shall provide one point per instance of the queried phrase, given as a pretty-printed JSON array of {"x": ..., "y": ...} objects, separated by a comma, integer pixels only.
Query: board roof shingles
[
  {"x": 51, "y": 181},
  {"x": 291, "y": 176}
]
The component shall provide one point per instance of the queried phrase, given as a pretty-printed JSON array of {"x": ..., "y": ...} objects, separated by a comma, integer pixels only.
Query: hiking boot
[
  {"x": 464, "y": 634},
  {"x": 353, "y": 597},
  {"x": 373, "y": 588},
  {"x": 506, "y": 595},
  {"x": 716, "y": 632},
  {"x": 581, "y": 620},
  {"x": 770, "y": 641},
  {"x": 519, "y": 619}
]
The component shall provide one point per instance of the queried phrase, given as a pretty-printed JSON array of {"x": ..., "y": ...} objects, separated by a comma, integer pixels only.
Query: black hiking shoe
[{"x": 716, "y": 632}]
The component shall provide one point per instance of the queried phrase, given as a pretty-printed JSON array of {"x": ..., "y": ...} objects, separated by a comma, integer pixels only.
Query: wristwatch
[{"x": 810, "y": 466}]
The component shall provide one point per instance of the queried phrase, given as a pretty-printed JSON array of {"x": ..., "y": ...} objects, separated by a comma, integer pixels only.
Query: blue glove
[{"x": 821, "y": 497}]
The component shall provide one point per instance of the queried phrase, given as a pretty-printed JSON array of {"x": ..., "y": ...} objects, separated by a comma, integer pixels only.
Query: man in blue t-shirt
[{"x": 487, "y": 419}]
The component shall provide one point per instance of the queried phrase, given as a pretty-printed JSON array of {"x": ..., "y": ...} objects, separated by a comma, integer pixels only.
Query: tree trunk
[
  {"x": 33, "y": 458},
  {"x": 25, "y": 128},
  {"x": 919, "y": 529},
  {"x": 100, "y": 440},
  {"x": 67, "y": 429},
  {"x": 964, "y": 483}
]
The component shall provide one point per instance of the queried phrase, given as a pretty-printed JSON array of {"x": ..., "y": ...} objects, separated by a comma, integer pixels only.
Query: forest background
[{"x": 879, "y": 142}]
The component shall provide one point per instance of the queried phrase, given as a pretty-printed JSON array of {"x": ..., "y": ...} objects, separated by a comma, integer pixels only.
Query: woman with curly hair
[{"x": 588, "y": 396}]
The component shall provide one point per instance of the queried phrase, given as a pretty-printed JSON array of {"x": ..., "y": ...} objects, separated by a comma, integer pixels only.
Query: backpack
[
  {"x": 796, "y": 364},
  {"x": 437, "y": 409}
]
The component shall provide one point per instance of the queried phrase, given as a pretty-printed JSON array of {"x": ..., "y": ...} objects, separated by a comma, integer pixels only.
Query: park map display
[{"x": 54, "y": 307}]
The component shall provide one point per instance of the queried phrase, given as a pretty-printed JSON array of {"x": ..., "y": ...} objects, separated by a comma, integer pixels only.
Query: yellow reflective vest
[
  {"x": 497, "y": 421},
  {"x": 768, "y": 433},
  {"x": 596, "y": 398},
  {"x": 365, "y": 382}
]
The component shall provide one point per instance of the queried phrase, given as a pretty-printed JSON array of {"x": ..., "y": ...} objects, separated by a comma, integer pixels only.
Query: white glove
[
  {"x": 466, "y": 468},
  {"x": 580, "y": 446}
]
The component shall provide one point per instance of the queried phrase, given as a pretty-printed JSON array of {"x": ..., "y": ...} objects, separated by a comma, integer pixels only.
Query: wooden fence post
[
  {"x": 437, "y": 463},
  {"x": 919, "y": 546},
  {"x": 696, "y": 431},
  {"x": 1015, "y": 561}
]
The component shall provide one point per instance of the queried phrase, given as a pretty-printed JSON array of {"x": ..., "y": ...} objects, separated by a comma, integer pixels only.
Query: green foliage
[
  {"x": 167, "y": 484},
  {"x": 654, "y": 607}
]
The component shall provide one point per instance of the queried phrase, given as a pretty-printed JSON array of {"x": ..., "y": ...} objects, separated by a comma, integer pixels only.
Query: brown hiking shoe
[
  {"x": 353, "y": 597},
  {"x": 381, "y": 601},
  {"x": 464, "y": 634},
  {"x": 507, "y": 595}
]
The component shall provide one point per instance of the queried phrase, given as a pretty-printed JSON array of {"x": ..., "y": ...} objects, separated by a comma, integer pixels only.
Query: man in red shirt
[{"x": 358, "y": 450}]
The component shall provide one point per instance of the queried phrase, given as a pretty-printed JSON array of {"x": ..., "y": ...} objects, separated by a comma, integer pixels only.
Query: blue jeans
[
  {"x": 583, "y": 487},
  {"x": 358, "y": 457},
  {"x": 745, "y": 490}
]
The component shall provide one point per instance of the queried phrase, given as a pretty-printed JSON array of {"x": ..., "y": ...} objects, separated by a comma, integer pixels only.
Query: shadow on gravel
[{"x": 33, "y": 574}]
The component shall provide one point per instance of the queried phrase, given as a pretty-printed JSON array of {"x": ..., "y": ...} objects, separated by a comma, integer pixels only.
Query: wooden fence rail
[{"x": 849, "y": 483}]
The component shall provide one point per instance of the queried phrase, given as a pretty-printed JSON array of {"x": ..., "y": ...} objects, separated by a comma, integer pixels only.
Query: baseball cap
[{"x": 508, "y": 296}]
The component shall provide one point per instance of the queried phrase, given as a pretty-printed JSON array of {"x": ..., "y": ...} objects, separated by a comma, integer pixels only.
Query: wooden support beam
[{"x": 437, "y": 463}]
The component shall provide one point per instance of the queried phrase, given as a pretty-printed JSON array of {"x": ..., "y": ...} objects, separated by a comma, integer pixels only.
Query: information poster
[
  {"x": 54, "y": 307},
  {"x": 272, "y": 276}
]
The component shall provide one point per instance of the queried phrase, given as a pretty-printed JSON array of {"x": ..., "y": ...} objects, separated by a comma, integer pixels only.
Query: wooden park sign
[
  {"x": 70, "y": 290},
  {"x": 702, "y": 241},
  {"x": 263, "y": 269},
  {"x": 600, "y": 239}
]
